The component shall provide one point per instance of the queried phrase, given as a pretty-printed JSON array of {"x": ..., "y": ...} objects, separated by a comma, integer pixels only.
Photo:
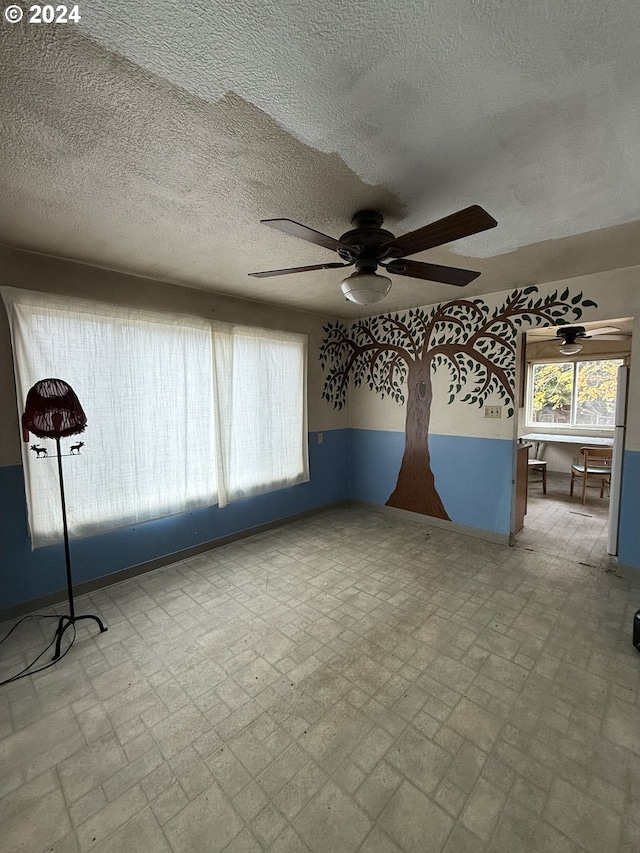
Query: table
[
  {"x": 586, "y": 440},
  {"x": 539, "y": 438}
]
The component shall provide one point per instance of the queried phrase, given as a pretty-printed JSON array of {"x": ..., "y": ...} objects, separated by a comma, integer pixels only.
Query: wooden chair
[
  {"x": 539, "y": 465},
  {"x": 596, "y": 464}
]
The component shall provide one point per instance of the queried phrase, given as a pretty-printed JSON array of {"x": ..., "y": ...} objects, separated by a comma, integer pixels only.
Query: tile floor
[
  {"x": 349, "y": 682},
  {"x": 561, "y": 525}
]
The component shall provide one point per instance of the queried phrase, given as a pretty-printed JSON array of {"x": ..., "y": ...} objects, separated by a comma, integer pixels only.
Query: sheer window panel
[
  {"x": 260, "y": 390},
  {"x": 144, "y": 380}
]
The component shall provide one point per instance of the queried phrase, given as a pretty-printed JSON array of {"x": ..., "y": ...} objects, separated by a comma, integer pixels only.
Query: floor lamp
[{"x": 53, "y": 410}]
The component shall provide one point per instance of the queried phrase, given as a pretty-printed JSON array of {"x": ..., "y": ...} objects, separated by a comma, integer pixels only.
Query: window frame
[{"x": 570, "y": 428}]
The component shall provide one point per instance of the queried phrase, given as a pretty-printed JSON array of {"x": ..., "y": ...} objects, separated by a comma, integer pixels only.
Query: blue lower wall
[
  {"x": 629, "y": 532},
  {"x": 26, "y": 575},
  {"x": 473, "y": 475}
]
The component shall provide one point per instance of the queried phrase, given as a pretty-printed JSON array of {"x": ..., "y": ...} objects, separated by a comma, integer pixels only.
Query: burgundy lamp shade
[{"x": 52, "y": 410}]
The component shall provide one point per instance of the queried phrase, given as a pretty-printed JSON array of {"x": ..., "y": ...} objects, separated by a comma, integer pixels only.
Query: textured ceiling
[{"x": 152, "y": 138}]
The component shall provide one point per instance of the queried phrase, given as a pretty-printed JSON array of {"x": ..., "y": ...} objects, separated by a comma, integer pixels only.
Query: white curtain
[
  {"x": 167, "y": 421},
  {"x": 261, "y": 432},
  {"x": 144, "y": 382}
]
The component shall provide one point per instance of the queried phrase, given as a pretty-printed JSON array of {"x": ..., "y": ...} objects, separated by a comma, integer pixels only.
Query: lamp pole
[
  {"x": 52, "y": 410},
  {"x": 65, "y": 621},
  {"x": 65, "y": 530}
]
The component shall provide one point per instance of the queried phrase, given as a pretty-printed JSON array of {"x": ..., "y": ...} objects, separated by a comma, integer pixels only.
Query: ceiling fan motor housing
[
  {"x": 569, "y": 334},
  {"x": 366, "y": 239}
]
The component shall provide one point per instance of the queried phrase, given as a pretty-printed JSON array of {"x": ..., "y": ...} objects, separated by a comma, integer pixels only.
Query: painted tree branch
[
  {"x": 486, "y": 339},
  {"x": 450, "y": 350},
  {"x": 441, "y": 315}
]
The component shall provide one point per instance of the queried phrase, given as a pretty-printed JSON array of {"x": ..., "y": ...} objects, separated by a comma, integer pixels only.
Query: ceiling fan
[
  {"x": 369, "y": 246},
  {"x": 570, "y": 337}
]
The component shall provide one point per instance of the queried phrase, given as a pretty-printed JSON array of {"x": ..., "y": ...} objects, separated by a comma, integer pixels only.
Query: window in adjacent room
[{"x": 573, "y": 393}]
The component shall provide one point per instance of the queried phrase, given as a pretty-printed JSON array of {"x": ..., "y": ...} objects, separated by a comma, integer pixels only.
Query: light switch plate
[{"x": 493, "y": 411}]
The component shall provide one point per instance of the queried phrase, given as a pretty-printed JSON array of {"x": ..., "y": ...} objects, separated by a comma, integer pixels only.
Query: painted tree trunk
[{"x": 416, "y": 488}]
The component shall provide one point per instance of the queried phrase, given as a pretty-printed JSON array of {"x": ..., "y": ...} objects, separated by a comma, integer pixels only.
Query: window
[
  {"x": 573, "y": 394},
  {"x": 260, "y": 382},
  {"x": 181, "y": 413}
]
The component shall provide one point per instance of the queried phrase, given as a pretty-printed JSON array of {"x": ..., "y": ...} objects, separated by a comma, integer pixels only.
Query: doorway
[{"x": 555, "y": 523}]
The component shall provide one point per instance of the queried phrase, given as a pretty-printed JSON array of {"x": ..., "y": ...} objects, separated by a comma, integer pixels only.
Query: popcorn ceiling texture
[
  {"x": 154, "y": 137},
  {"x": 527, "y": 108}
]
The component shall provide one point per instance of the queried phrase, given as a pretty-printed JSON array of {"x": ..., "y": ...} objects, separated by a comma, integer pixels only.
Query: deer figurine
[
  {"x": 75, "y": 448},
  {"x": 39, "y": 451}
]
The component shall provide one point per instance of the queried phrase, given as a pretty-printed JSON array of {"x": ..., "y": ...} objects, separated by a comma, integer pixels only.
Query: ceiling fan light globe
[
  {"x": 364, "y": 288},
  {"x": 570, "y": 349}
]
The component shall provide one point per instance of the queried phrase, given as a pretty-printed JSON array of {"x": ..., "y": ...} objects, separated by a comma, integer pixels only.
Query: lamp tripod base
[{"x": 65, "y": 622}]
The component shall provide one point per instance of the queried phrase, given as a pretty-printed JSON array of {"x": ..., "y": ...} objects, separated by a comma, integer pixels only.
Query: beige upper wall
[{"x": 39, "y": 272}]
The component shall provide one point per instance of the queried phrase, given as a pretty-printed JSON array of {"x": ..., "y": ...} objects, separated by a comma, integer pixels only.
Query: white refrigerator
[{"x": 616, "y": 462}]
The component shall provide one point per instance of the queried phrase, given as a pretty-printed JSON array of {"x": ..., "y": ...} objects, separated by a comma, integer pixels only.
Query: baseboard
[
  {"x": 430, "y": 521},
  {"x": 142, "y": 568}
]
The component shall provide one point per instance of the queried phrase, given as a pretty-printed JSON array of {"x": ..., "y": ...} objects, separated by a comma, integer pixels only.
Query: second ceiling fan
[
  {"x": 368, "y": 246},
  {"x": 570, "y": 337}
]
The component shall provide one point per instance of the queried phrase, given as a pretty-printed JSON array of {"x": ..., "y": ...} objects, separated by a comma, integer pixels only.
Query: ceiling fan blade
[
  {"x": 539, "y": 336},
  {"x": 603, "y": 330},
  {"x": 465, "y": 222},
  {"x": 619, "y": 337},
  {"x": 268, "y": 273},
  {"x": 604, "y": 333},
  {"x": 432, "y": 272},
  {"x": 295, "y": 229}
]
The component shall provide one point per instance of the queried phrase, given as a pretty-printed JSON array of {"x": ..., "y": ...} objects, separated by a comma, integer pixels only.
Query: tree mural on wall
[{"x": 397, "y": 355}]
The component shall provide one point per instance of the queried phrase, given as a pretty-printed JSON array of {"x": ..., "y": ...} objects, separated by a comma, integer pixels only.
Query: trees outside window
[{"x": 574, "y": 394}]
